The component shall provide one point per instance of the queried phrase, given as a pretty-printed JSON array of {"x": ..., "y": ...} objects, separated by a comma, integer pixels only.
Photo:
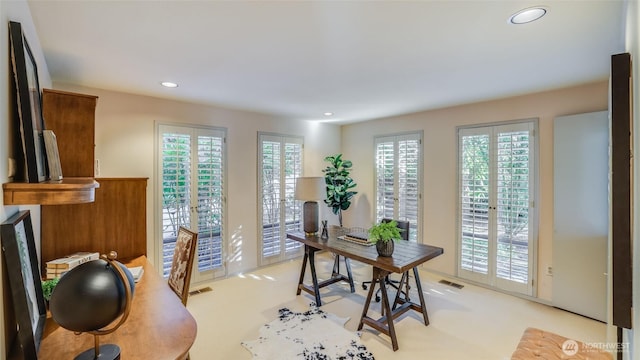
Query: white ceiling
[{"x": 299, "y": 59}]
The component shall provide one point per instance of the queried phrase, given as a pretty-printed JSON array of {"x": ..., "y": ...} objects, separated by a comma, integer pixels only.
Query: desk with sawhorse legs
[{"x": 406, "y": 256}]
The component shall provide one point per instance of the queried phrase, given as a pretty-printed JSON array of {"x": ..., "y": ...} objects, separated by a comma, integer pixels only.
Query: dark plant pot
[{"x": 385, "y": 248}]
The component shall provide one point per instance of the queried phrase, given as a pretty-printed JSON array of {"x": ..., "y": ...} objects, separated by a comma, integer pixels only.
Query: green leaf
[
  {"x": 338, "y": 183},
  {"x": 384, "y": 232}
]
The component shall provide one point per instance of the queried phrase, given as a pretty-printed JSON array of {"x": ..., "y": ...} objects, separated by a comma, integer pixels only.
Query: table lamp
[
  {"x": 310, "y": 189},
  {"x": 91, "y": 296}
]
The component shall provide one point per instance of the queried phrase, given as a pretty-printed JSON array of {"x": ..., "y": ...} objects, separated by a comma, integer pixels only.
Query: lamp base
[
  {"x": 107, "y": 352},
  {"x": 310, "y": 214}
]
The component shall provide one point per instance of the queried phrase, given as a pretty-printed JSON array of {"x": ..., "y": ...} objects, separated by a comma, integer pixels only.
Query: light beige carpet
[{"x": 469, "y": 323}]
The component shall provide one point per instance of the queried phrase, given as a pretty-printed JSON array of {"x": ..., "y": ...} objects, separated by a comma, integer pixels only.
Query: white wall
[
  {"x": 125, "y": 143},
  {"x": 14, "y": 11},
  {"x": 440, "y": 163}
]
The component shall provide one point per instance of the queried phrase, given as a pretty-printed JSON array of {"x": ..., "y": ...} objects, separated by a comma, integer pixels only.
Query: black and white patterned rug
[{"x": 310, "y": 335}]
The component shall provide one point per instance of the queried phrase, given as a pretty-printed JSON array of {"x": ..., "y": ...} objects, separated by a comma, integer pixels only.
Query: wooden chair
[{"x": 182, "y": 265}]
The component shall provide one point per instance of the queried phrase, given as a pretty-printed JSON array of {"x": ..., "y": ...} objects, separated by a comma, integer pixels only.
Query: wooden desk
[
  {"x": 158, "y": 327},
  {"x": 406, "y": 256}
]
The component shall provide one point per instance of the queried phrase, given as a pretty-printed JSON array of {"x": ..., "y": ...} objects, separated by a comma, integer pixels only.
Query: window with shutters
[
  {"x": 399, "y": 179},
  {"x": 191, "y": 173},
  {"x": 280, "y": 164},
  {"x": 497, "y": 176}
]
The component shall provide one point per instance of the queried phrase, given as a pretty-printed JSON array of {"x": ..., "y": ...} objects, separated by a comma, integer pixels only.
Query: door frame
[
  {"x": 197, "y": 276},
  {"x": 490, "y": 279}
]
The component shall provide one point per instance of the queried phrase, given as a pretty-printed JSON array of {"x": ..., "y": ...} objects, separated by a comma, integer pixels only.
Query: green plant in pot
[
  {"x": 384, "y": 234},
  {"x": 339, "y": 184}
]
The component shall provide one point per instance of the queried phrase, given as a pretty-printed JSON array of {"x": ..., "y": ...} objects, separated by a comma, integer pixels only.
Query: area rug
[{"x": 310, "y": 335}]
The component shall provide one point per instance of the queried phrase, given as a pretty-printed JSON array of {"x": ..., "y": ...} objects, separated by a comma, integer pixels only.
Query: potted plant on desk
[{"x": 384, "y": 234}]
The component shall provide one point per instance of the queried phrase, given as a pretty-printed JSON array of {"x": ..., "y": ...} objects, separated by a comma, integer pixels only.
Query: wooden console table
[
  {"x": 158, "y": 327},
  {"x": 406, "y": 256}
]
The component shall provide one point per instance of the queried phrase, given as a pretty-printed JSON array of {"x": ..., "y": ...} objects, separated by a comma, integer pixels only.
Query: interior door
[{"x": 581, "y": 213}]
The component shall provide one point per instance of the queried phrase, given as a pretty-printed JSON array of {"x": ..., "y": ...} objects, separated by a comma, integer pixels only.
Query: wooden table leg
[
  {"x": 423, "y": 305},
  {"x": 302, "y": 271},
  {"x": 336, "y": 271},
  {"x": 365, "y": 310},
  {"x": 309, "y": 253},
  {"x": 385, "y": 323},
  {"x": 314, "y": 276},
  {"x": 399, "y": 298},
  {"x": 387, "y": 314},
  {"x": 349, "y": 274},
  {"x": 405, "y": 303}
]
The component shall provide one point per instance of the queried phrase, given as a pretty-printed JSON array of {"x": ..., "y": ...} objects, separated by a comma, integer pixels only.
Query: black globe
[{"x": 89, "y": 297}]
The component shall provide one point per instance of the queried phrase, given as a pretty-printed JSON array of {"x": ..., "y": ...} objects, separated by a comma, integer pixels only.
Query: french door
[
  {"x": 497, "y": 218},
  {"x": 399, "y": 179},
  {"x": 192, "y": 189},
  {"x": 279, "y": 165}
]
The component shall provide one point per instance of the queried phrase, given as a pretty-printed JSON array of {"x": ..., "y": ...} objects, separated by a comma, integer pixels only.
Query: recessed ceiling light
[
  {"x": 528, "y": 15},
  {"x": 169, "y": 84},
  {"x": 328, "y": 114}
]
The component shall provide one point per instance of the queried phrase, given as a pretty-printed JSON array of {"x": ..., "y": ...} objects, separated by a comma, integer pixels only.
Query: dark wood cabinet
[
  {"x": 116, "y": 220},
  {"x": 71, "y": 116}
]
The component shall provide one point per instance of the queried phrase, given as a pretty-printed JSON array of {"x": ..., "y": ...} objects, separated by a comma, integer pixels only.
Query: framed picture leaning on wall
[
  {"x": 18, "y": 247},
  {"x": 28, "y": 106}
]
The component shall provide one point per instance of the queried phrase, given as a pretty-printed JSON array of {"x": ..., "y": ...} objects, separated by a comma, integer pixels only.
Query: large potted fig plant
[{"x": 339, "y": 185}]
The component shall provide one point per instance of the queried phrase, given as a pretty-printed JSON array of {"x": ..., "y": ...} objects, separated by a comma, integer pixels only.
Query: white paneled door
[
  {"x": 399, "y": 180},
  {"x": 280, "y": 164},
  {"x": 496, "y": 205},
  {"x": 191, "y": 182},
  {"x": 581, "y": 213}
]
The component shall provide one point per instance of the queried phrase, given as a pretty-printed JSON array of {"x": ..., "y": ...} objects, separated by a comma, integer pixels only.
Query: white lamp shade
[{"x": 310, "y": 188}]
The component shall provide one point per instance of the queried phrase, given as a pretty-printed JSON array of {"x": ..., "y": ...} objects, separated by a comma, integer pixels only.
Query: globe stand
[{"x": 104, "y": 352}]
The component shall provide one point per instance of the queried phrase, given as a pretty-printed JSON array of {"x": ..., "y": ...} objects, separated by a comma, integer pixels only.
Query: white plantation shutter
[
  {"x": 409, "y": 181},
  {"x": 513, "y": 199},
  {"x": 210, "y": 201},
  {"x": 293, "y": 207},
  {"x": 474, "y": 204},
  {"x": 192, "y": 181},
  {"x": 497, "y": 191},
  {"x": 176, "y": 181},
  {"x": 270, "y": 198},
  {"x": 280, "y": 164},
  {"x": 385, "y": 179},
  {"x": 398, "y": 179}
]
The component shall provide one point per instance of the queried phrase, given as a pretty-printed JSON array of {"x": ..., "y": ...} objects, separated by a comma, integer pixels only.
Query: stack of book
[
  {"x": 57, "y": 267},
  {"x": 358, "y": 237}
]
